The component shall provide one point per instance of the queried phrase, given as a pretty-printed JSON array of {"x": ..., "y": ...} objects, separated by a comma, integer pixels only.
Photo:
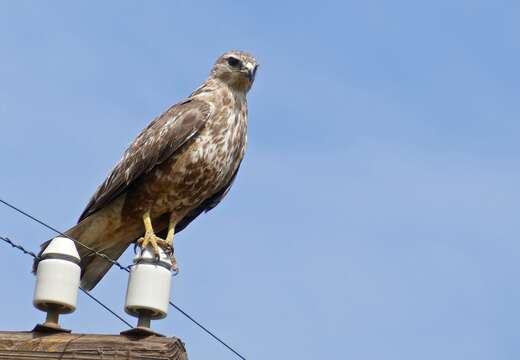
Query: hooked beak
[{"x": 251, "y": 72}]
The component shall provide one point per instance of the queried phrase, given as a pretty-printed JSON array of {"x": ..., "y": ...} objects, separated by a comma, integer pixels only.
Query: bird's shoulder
[{"x": 163, "y": 136}]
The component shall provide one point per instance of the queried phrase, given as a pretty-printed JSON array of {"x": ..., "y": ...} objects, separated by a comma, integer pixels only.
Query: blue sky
[{"x": 376, "y": 213}]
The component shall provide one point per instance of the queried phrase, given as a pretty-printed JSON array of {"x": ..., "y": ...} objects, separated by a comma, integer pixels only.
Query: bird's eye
[{"x": 233, "y": 62}]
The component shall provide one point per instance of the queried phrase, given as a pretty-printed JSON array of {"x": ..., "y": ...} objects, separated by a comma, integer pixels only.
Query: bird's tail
[{"x": 101, "y": 233}]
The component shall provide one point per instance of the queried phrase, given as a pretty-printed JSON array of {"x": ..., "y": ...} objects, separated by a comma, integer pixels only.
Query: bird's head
[{"x": 237, "y": 69}]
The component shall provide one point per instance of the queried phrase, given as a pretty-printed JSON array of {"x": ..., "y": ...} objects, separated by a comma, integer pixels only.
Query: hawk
[{"x": 181, "y": 165}]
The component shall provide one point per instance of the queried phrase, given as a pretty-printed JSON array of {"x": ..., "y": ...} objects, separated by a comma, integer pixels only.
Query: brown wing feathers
[{"x": 156, "y": 143}]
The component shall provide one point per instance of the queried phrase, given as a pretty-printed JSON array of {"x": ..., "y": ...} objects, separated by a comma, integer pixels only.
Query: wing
[{"x": 156, "y": 143}]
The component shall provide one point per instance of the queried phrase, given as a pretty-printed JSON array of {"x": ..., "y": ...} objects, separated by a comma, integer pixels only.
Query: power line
[
  {"x": 114, "y": 262},
  {"x": 206, "y": 330},
  {"x": 19, "y": 247},
  {"x": 26, "y": 214},
  {"x": 105, "y": 307},
  {"x": 33, "y": 255}
]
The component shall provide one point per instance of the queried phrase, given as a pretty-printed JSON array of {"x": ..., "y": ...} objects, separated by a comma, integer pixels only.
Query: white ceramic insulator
[
  {"x": 149, "y": 285},
  {"x": 57, "y": 277}
]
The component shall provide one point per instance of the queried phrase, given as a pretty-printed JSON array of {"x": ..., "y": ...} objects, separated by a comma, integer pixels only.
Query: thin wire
[
  {"x": 206, "y": 330},
  {"x": 19, "y": 247},
  {"x": 114, "y": 262},
  {"x": 105, "y": 307},
  {"x": 30, "y": 253}
]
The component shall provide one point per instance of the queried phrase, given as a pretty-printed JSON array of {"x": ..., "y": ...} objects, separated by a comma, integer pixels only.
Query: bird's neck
[{"x": 214, "y": 86}]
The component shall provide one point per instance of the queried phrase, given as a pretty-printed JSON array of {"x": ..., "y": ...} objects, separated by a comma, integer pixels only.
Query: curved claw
[
  {"x": 150, "y": 238},
  {"x": 175, "y": 267},
  {"x": 175, "y": 271},
  {"x": 167, "y": 248}
]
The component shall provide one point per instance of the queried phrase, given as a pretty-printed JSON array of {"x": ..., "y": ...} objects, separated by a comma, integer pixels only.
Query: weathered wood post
[{"x": 38, "y": 346}]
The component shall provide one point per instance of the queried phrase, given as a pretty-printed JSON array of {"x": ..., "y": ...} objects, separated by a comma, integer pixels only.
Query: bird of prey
[{"x": 182, "y": 164}]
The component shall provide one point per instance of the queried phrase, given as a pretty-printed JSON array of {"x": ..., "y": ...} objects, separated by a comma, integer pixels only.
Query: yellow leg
[
  {"x": 169, "y": 243},
  {"x": 149, "y": 237}
]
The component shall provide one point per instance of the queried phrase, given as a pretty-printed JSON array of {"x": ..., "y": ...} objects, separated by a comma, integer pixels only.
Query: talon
[
  {"x": 150, "y": 238},
  {"x": 175, "y": 267},
  {"x": 175, "y": 270},
  {"x": 156, "y": 242},
  {"x": 168, "y": 250}
]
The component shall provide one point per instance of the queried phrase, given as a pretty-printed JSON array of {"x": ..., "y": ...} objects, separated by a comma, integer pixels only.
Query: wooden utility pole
[{"x": 41, "y": 346}]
